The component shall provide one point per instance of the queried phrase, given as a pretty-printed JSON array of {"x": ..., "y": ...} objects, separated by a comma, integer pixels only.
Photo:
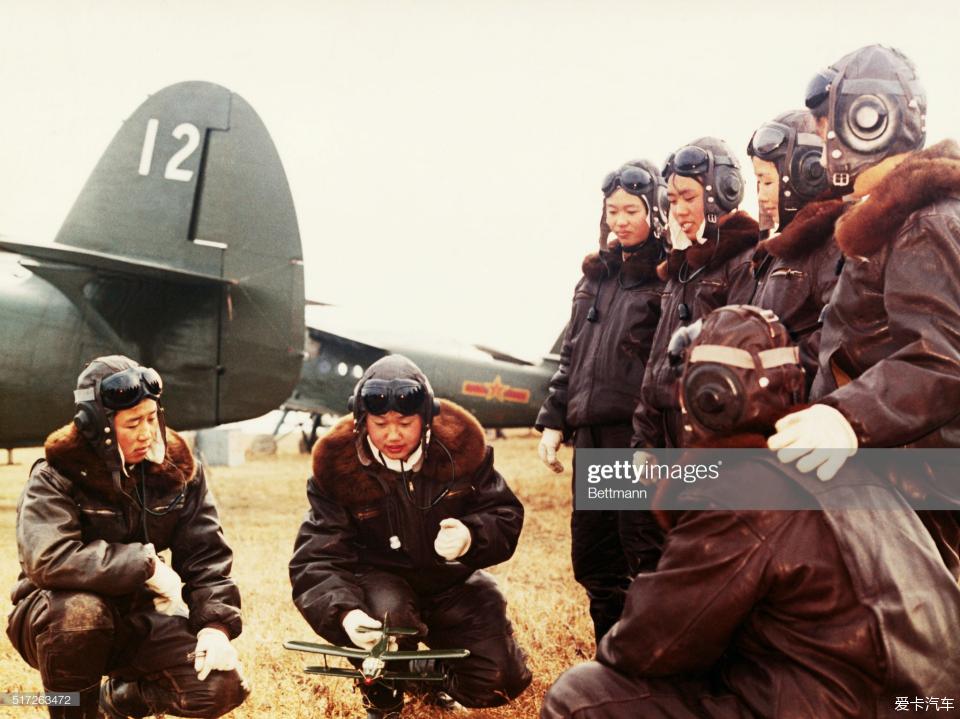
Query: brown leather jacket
[
  {"x": 797, "y": 271},
  {"x": 798, "y": 614},
  {"x": 74, "y": 531},
  {"x": 700, "y": 278},
  {"x": 367, "y": 517},
  {"x": 890, "y": 347},
  {"x": 602, "y": 362}
]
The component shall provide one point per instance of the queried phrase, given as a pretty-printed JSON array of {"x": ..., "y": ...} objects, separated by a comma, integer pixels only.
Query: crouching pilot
[
  {"x": 406, "y": 510},
  {"x": 93, "y": 598}
]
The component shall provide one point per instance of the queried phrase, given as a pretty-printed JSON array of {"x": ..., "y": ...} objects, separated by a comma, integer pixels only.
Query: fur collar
[
  {"x": 810, "y": 229},
  {"x": 738, "y": 232},
  {"x": 337, "y": 469},
  {"x": 922, "y": 179},
  {"x": 640, "y": 267},
  {"x": 71, "y": 455}
]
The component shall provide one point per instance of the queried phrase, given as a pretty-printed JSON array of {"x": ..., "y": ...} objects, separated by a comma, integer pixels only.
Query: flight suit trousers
[
  {"x": 595, "y": 691},
  {"x": 609, "y": 548},
  {"x": 75, "y": 638},
  {"x": 471, "y": 615}
]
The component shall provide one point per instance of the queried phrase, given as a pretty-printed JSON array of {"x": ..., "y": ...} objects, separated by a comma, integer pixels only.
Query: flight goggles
[
  {"x": 634, "y": 180},
  {"x": 128, "y": 388},
  {"x": 692, "y": 160},
  {"x": 406, "y": 396},
  {"x": 818, "y": 90},
  {"x": 770, "y": 140}
]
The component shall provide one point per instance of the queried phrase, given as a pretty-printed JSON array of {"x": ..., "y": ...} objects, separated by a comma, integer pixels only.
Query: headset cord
[{"x": 145, "y": 510}]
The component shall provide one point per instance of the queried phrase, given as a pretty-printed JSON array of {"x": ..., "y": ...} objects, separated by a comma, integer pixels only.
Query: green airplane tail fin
[{"x": 192, "y": 186}]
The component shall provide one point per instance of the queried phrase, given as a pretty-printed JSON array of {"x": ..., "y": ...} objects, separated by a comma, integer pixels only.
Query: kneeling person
[
  {"x": 93, "y": 598},
  {"x": 763, "y": 613},
  {"x": 406, "y": 510}
]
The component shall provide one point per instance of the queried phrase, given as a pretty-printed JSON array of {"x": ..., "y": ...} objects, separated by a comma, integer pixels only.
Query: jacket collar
[
  {"x": 922, "y": 179},
  {"x": 809, "y": 230},
  {"x": 338, "y": 472},
  {"x": 745, "y": 440},
  {"x": 71, "y": 455},
  {"x": 737, "y": 232},
  {"x": 639, "y": 267}
]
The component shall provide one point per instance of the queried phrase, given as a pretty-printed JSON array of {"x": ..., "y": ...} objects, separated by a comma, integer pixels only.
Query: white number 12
[{"x": 173, "y": 171}]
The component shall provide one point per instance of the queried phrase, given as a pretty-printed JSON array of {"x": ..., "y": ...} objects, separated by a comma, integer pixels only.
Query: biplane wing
[
  {"x": 387, "y": 675},
  {"x": 426, "y": 654},
  {"x": 326, "y": 649}
]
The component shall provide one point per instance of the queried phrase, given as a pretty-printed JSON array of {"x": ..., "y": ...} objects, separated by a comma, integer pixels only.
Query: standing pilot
[
  {"x": 890, "y": 350},
  {"x": 592, "y": 395}
]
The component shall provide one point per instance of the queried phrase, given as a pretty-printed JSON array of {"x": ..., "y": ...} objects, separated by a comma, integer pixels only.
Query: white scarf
[{"x": 678, "y": 240}]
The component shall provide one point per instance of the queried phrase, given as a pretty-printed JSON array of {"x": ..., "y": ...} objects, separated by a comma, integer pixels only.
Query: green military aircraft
[
  {"x": 183, "y": 252},
  {"x": 499, "y": 389}
]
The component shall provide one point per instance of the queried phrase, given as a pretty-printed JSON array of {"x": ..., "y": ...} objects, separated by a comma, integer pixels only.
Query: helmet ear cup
[
  {"x": 807, "y": 175},
  {"x": 729, "y": 187},
  {"x": 87, "y": 423},
  {"x": 714, "y": 396},
  {"x": 868, "y": 124},
  {"x": 351, "y": 403}
]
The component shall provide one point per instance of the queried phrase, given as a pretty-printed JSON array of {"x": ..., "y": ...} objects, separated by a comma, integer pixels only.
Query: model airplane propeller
[{"x": 373, "y": 662}]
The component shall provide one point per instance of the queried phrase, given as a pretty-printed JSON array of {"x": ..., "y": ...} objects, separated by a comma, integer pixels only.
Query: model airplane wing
[
  {"x": 426, "y": 654},
  {"x": 326, "y": 649},
  {"x": 345, "y": 673}
]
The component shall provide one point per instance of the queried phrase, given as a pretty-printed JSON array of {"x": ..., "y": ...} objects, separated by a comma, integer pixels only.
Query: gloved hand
[
  {"x": 640, "y": 458},
  {"x": 355, "y": 621},
  {"x": 214, "y": 652},
  {"x": 819, "y": 437},
  {"x": 166, "y": 584},
  {"x": 549, "y": 443},
  {"x": 453, "y": 540}
]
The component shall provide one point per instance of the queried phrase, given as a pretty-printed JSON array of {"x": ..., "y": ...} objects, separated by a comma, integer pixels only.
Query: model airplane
[
  {"x": 499, "y": 389},
  {"x": 183, "y": 252},
  {"x": 373, "y": 663}
]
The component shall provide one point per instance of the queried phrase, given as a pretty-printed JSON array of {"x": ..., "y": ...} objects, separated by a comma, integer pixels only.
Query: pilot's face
[
  {"x": 768, "y": 188},
  {"x": 137, "y": 429},
  {"x": 686, "y": 204},
  {"x": 627, "y": 217},
  {"x": 394, "y": 434}
]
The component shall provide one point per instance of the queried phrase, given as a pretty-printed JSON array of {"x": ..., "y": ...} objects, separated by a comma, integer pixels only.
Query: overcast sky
[{"x": 461, "y": 141}]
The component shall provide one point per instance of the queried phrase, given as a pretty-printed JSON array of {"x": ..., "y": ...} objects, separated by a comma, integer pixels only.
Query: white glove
[
  {"x": 362, "y": 629},
  {"x": 640, "y": 458},
  {"x": 166, "y": 584},
  {"x": 214, "y": 652},
  {"x": 453, "y": 540},
  {"x": 819, "y": 436},
  {"x": 549, "y": 444}
]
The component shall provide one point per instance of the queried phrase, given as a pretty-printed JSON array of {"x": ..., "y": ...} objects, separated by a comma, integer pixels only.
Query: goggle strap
[
  {"x": 873, "y": 86},
  {"x": 808, "y": 138},
  {"x": 736, "y": 357},
  {"x": 84, "y": 395}
]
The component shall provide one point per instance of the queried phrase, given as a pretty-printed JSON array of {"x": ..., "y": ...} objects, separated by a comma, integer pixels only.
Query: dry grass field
[{"x": 261, "y": 506}]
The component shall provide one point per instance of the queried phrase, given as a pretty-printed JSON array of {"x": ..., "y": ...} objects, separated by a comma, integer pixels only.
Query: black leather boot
[{"x": 381, "y": 700}]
